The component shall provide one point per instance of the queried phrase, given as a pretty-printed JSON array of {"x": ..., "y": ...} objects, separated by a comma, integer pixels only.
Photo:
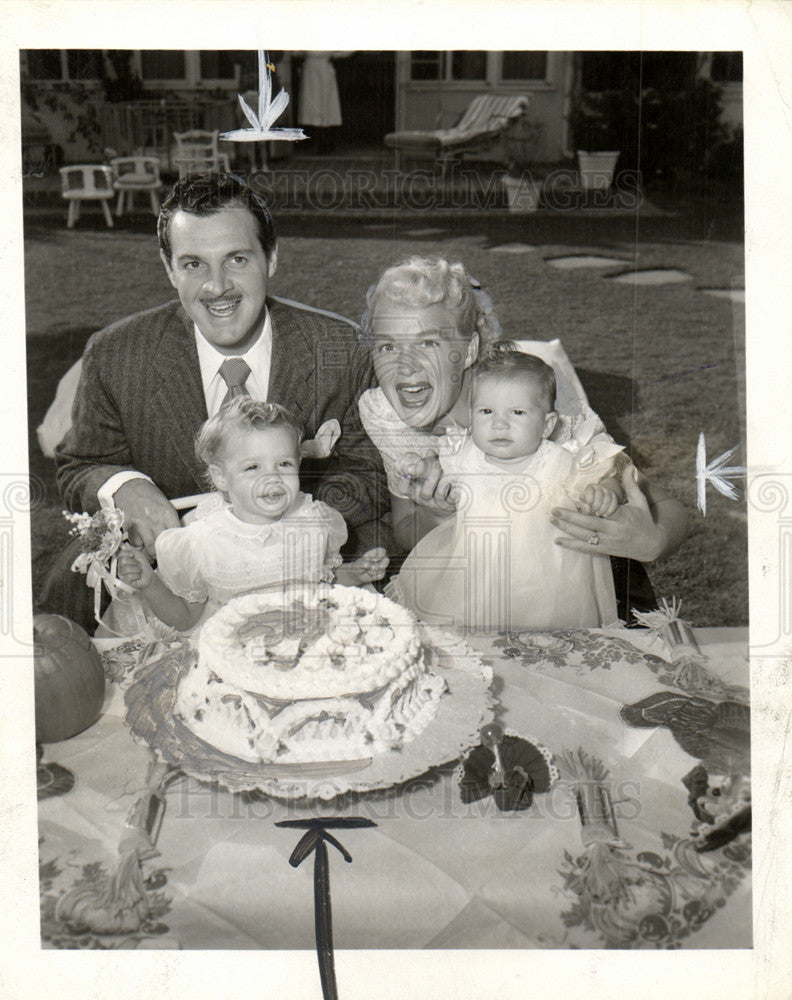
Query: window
[
  {"x": 468, "y": 65},
  {"x": 84, "y": 64},
  {"x": 524, "y": 66},
  {"x": 427, "y": 65},
  {"x": 217, "y": 66},
  {"x": 727, "y": 67},
  {"x": 163, "y": 65},
  {"x": 44, "y": 64}
]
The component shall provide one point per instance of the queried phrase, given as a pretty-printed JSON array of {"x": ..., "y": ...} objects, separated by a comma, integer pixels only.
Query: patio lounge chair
[{"x": 487, "y": 118}]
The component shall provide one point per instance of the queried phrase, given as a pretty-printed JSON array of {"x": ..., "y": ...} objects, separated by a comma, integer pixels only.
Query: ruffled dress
[
  {"x": 494, "y": 566},
  {"x": 217, "y": 557},
  {"x": 394, "y": 439}
]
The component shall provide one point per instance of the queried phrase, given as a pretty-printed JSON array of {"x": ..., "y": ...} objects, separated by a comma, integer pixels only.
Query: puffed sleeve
[
  {"x": 179, "y": 564},
  {"x": 595, "y": 456}
]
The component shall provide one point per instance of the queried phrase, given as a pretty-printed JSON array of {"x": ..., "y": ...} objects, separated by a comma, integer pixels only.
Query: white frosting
[{"x": 345, "y": 678}]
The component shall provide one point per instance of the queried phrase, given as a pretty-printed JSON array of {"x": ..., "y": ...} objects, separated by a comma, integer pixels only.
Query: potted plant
[
  {"x": 601, "y": 125},
  {"x": 523, "y": 188}
]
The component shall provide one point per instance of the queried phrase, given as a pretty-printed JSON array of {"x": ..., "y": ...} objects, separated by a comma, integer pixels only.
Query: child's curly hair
[
  {"x": 503, "y": 359},
  {"x": 239, "y": 415}
]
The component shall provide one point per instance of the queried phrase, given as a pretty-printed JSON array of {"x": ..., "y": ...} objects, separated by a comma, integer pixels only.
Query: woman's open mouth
[{"x": 413, "y": 395}]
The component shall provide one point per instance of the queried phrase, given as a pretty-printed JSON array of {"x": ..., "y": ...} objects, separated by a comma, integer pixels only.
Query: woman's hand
[
  {"x": 636, "y": 530},
  {"x": 412, "y": 466},
  {"x": 431, "y": 489}
]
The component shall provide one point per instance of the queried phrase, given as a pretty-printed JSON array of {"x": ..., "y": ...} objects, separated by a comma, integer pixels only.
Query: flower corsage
[{"x": 101, "y": 536}]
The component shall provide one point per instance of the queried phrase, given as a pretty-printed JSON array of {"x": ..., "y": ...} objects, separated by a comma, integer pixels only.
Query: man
[{"x": 150, "y": 381}]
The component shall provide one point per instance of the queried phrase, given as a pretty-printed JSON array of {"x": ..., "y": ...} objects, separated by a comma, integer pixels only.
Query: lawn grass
[{"x": 660, "y": 363}]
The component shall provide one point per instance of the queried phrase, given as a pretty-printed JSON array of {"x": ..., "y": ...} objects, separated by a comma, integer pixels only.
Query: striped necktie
[{"x": 234, "y": 372}]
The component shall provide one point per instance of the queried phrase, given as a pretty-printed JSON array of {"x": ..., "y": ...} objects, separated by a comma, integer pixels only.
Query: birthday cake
[{"x": 308, "y": 674}]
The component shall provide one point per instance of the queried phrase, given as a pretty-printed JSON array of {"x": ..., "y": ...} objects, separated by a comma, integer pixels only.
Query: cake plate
[{"x": 463, "y": 709}]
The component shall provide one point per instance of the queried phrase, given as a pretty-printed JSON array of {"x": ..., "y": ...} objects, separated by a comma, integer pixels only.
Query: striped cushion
[{"x": 486, "y": 117}]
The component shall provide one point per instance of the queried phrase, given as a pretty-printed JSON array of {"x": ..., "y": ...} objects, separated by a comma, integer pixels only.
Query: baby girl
[{"x": 495, "y": 566}]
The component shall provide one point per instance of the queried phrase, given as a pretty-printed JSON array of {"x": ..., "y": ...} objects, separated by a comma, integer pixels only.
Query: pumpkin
[{"x": 69, "y": 679}]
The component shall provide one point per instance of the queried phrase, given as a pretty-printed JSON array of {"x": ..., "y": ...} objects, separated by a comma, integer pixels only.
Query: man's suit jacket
[{"x": 140, "y": 403}]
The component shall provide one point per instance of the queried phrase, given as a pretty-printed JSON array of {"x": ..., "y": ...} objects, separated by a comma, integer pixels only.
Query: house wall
[
  {"x": 430, "y": 104},
  {"x": 78, "y": 101},
  {"x": 732, "y": 106},
  {"x": 60, "y": 129}
]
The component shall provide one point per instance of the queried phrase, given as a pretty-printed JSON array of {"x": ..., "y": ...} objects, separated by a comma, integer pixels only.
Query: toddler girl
[
  {"x": 265, "y": 533},
  {"x": 494, "y": 565}
]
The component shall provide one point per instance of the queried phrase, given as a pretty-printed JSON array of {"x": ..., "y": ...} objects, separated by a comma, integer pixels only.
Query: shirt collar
[{"x": 210, "y": 359}]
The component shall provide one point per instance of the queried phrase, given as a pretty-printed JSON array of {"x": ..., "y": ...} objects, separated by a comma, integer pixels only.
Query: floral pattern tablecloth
[{"x": 615, "y": 855}]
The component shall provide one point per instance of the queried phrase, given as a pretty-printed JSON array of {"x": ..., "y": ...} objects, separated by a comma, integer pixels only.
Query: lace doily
[{"x": 464, "y": 709}]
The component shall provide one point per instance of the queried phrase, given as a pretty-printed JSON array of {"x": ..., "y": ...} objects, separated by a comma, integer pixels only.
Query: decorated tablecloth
[{"x": 652, "y": 760}]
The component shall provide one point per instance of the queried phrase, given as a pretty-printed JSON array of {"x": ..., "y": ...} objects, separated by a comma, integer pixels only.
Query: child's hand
[
  {"x": 365, "y": 569},
  {"x": 600, "y": 500},
  {"x": 134, "y": 568}
]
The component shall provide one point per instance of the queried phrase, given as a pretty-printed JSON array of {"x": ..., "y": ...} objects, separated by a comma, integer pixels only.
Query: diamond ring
[{"x": 593, "y": 538}]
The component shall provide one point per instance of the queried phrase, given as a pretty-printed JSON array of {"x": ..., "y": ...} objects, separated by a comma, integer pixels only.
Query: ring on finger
[{"x": 593, "y": 538}]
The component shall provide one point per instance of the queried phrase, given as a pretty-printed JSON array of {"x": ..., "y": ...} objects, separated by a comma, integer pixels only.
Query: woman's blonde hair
[{"x": 421, "y": 282}]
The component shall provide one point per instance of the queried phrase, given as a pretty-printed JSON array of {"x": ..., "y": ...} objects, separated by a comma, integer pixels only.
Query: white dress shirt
[{"x": 259, "y": 360}]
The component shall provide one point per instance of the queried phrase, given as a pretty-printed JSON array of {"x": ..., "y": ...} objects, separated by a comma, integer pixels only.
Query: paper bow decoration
[
  {"x": 513, "y": 771},
  {"x": 269, "y": 109},
  {"x": 101, "y": 536},
  {"x": 591, "y": 446}
]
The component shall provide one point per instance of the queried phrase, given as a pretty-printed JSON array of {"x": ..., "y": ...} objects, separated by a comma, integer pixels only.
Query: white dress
[
  {"x": 394, "y": 439},
  {"x": 494, "y": 566},
  {"x": 218, "y": 557},
  {"x": 319, "y": 103}
]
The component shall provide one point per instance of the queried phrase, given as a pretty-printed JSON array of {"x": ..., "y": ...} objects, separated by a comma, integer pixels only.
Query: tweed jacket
[{"x": 140, "y": 403}]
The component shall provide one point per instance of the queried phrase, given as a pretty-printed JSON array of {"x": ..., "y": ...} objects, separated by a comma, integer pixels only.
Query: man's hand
[
  {"x": 147, "y": 513},
  {"x": 631, "y": 531}
]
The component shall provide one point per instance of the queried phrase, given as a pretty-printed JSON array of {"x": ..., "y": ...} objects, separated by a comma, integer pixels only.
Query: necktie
[{"x": 234, "y": 372}]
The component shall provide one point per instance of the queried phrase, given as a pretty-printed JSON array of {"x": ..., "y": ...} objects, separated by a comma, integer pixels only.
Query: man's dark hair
[{"x": 207, "y": 194}]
